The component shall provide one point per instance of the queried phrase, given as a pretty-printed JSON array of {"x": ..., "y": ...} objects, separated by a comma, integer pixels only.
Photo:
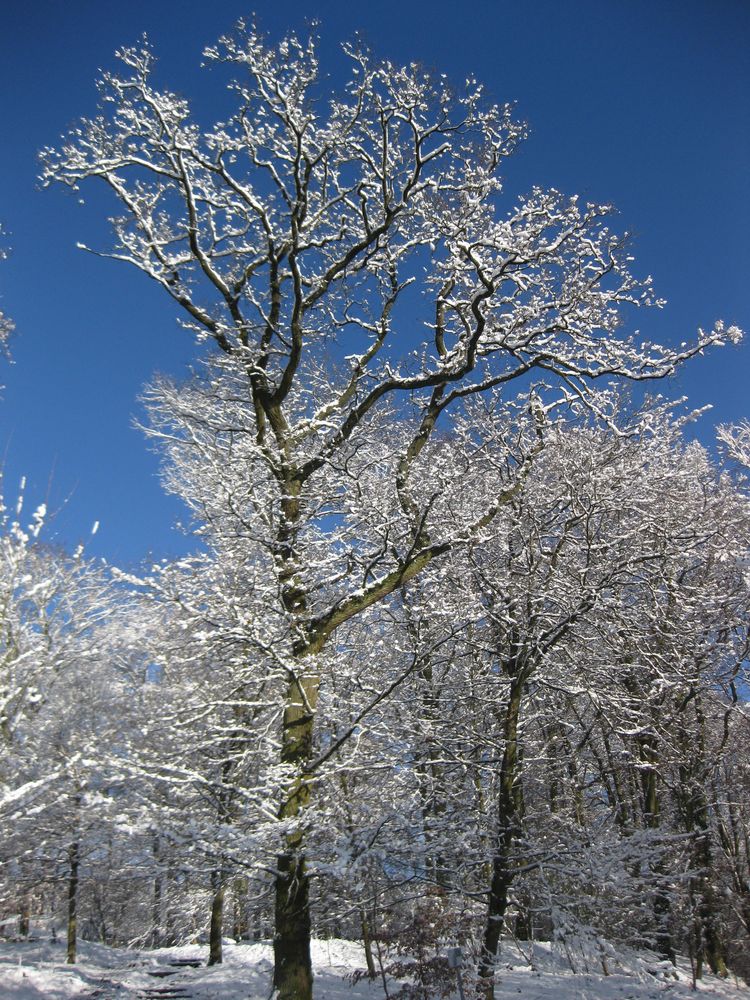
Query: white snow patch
[{"x": 33, "y": 970}]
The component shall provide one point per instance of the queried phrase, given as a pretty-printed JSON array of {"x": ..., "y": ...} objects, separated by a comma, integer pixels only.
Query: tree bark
[
  {"x": 508, "y": 824},
  {"x": 215, "y": 956},
  {"x": 156, "y": 933},
  {"x": 649, "y": 754},
  {"x": 74, "y": 856},
  {"x": 24, "y": 916},
  {"x": 710, "y": 944},
  {"x": 694, "y": 776},
  {"x": 241, "y": 929},
  {"x": 292, "y": 976},
  {"x": 431, "y": 784},
  {"x": 292, "y": 963},
  {"x": 367, "y": 945}
]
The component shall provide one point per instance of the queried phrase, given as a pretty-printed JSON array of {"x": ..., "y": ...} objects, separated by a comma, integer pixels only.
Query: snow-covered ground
[{"x": 32, "y": 970}]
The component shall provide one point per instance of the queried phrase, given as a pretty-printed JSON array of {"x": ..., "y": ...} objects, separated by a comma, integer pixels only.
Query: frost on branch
[
  {"x": 6, "y": 324},
  {"x": 301, "y": 220},
  {"x": 735, "y": 439}
]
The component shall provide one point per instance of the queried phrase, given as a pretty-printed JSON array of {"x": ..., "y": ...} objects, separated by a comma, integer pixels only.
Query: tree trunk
[
  {"x": 24, "y": 916},
  {"x": 367, "y": 945},
  {"x": 508, "y": 823},
  {"x": 649, "y": 755},
  {"x": 292, "y": 975},
  {"x": 156, "y": 934},
  {"x": 524, "y": 923},
  {"x": 694, "y": 776},
  {"x": 241, "y": 929},
  {"x": 292, "y": 964},
  {"x": 73, "y": 902},
  {"x": 711, "y": 946},
  {"x": 215, "y": 956},
  {"x": 431, "y": 780},
  {"x": 364, "y": 922},
  {"x": 714, "y": 948},
  {"x": 170, "y": 936}
]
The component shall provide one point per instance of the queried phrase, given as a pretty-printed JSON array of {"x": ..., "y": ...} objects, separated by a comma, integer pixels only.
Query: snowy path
[{"x": 36, "y": 971}]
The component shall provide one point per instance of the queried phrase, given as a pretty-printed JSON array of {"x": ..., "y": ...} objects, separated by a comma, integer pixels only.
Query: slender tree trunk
[
  {"x": 170, "y": 935},
  {"x": 220, "y": 876},
  {"x": 241, "y": 929},
  {"x": 218, "y": 884},
  {"x": 74, "y": 856},
  {"x": 697, "y": 821},
  {"x": 524, "y": 923},
  {"x": 367, "y": 945},
  {"x": 714, "y": 947},
  {"x": 364, "y": 922},
  {"x": 711, "y": 944},
  {"x": 699, "y": 949},
  {"x": 24, "y": 916},
  {"x": 618, "y": 795},
  {"x": 576, "y": 786},
  {"x": 293, "y": 925},
  {"x": 508, "y": 824},
  {"x": 649, "y": 753},
  {"x": 430, "y": 776},
  {"x": 157, "y": 898}
]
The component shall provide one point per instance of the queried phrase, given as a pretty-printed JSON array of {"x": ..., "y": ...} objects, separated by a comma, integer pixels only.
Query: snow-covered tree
[
  {"x": 542, "y": 733},
  {"x": 350, "y": 257},
  {"x": 735, "y": 438},
  {"x": 60, "y": 691}
]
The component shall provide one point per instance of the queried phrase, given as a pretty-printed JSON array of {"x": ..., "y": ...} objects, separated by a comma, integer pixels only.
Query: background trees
[
  {"x": 542, "y": 736},
  {"x": 64, "y": 685}
]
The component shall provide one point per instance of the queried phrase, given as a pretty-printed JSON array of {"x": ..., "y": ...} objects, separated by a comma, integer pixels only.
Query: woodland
[{"x": 460, "y": 655}]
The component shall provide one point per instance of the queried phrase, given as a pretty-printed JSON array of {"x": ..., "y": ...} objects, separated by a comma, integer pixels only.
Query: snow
[{"x": 36, "y": 969}]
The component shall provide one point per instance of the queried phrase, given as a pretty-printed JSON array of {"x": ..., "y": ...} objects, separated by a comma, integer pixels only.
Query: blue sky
[{"x": 642, "y": 103}]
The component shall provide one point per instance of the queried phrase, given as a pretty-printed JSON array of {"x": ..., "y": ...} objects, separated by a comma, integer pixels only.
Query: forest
[{"x": 460, "y": 655}]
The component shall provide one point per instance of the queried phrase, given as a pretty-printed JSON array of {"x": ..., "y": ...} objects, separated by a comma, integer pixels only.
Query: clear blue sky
[{"x": 643, "y": 103}]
